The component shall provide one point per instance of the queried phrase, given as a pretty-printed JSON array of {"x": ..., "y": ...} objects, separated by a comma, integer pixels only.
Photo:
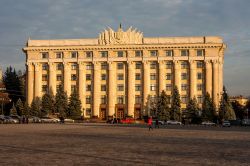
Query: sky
[{"x": 69, "y": 19}]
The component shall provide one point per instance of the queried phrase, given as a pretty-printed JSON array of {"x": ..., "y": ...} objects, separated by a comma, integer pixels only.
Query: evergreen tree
[
  {"x": 27, "y": 109},
  {"x": 208, "y": 108},
  {"x": 176, "y": 105},
  {"x": 36, "y": 107},
  {"x": 19, "y": 107},
  {"x": 226, "y": 111},
  {"x": 48, "y": 103},
  {"x": 61, "y": 102},
  {"x": 238, "y": 109},
  {"x": 192, "y": 111},
  {"x": 74, "y": 107},
  {"x": 163, "y": 110},
  {"x": 13, "y": 110}
]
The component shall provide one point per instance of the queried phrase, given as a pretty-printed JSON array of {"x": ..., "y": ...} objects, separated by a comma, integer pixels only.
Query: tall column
[
  {"x": 52, "y": 77},
  {"x": 193, "y": 79},
  {"x": 112, "y": 88},
  {"x": 216, "y": 82},
  {"x": 220, "y": 78},
  {"x": 177, "y": 74},
  {"x": 81, "y": 84},
  {"x": 67, "y": 78},
  {"x": 38, "y": 80},
  {"x": 97, "y": 90},
  {"x": 30, "y": 83},
  {"x": 209, "y": 77},
  {"x": 131, "y": 88},
  {"x": 146, "y": 86},
  {"x": 161, "y": 76}
]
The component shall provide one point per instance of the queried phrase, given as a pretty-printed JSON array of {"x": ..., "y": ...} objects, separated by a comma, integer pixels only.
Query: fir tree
[
  {"x": 13, "y": 110},
  {"x": 36, "y": 107},
  {"x": 61, "y": 102},
  {"x": 19, "y": 107},
  {"x": 48, "y": 103},
  {"x": 208, "y": 108},
  {"x": 163, "y": 110},
  {"x": 192, "y": 111},
  {"x": 74, "y": 107},
  {"x": 176, "y": 105},
  {"x": 27, "y": 109}
]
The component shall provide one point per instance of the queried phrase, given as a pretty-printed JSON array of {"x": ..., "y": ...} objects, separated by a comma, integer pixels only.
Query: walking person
[{"x": 150, "y": 122}]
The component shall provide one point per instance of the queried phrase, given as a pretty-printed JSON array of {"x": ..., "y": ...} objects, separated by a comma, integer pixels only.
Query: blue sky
[{"x": 58, "y": 19}]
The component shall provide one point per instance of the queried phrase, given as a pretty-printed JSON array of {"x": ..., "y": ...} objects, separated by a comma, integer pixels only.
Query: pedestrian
[
  {"x": 150, "y": 122},
  {"x": 157, "y": 123}
]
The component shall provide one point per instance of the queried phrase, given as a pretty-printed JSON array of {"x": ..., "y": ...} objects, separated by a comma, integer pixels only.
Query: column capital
[
  {"x": 191, "y": 62},
  {"x": 37, "y": 66},
  {"x": 215, "y": 61},
  {"x": 66, "y": 65},
  {"x": 145, "y": 62},
  {"x": 176, "y": 61},
  {"x": 81, "y": 65},
  {"x": 208, "y": 62}
]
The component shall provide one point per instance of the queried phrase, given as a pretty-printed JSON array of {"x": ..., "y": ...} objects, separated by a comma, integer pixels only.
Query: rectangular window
[
  {"x": 152, "y": 76},
  {"x": 120, "y": 99},
  {"x": 153, "y": 65},
  {"x": 59, "y": 66},
  {"x": 44, "y": 77},
  {"x": 103, "y": 99},
  {"x": 88, "y": 87},
  {"x": 89, "y": 54},
  {"x": 45, "y": 66},
  {"x": 138, "y": 99},
  {"x": 200, "y": 99},
  {"x": 88, "y": 110},
  {"x": 120, "y": 87},
  {"x": 184, "y": 76},
  {"x": 104, "y": 66},
  {"x": 59, "y": 55},
  {"x": 153, "y": 87},
  {"x": 199, "y": 64},
  {"x": 104, "y": 76},
  {"x": 184, "y": 52},
  {"x": 74, "y": 54},
  {"x": 199, "y": 87},
  {"x": 73, "y": 88},
  {"x": 184, "y": 87},
  {"x": 103, "y": 87},
  {"x": 120, "y": 77},
  {"x": 184, "y": 99},
  {"x": 45, "y": 88},
  {"x": 73, "y": 66},
  {"x": 137, "y": 87},
  {"x": 88, "y": 66},
  {"x": 59, "y": 77},
  {"x": 169, "y": 76},
  {"x": 169, "y": 87},
  {"x": 200, "y": 52},
  {"x": 137, "y": 76},
  {"x": 73, "y": 77},
  {"x": 199, "y": 76},
  {"x": 120, "y": 53},
  {"x": 138, "y": 65},
  {"x": 119, "y": 65},
  {"x": 88, "y": 99},
  {"x": 138, "y": 53},
  {"x": 169, "y": 52},
  {"x": 184, "y": 64},
  {"x": 169, "y": 65},
  {"x": 88, "y": 76},
  {"x": 153, "y": 53},
  {"x": 45, "y": 55},
  {"x": 104, "y": 54}
]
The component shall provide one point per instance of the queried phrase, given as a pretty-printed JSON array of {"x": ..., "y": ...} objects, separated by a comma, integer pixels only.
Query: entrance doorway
[
  {"x": 120, "y": 113},
  {"x": 103, "y": 114},
  {"x": 137, "y": 113}
]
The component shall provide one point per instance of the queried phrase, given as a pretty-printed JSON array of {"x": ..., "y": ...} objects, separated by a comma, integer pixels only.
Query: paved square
[{"x": 102, "y": 144}]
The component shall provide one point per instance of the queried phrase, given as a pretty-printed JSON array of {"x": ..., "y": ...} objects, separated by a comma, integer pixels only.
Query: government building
[{"x": 120, "y": 72}]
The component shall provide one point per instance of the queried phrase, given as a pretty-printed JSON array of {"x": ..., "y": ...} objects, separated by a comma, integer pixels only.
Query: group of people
[
  {"x": 150, "y": 123},
  {"x": 24, "y": 119}
]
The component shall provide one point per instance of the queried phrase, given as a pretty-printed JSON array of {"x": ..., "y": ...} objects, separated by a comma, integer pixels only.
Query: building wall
[{"x": 116, "y": 77}]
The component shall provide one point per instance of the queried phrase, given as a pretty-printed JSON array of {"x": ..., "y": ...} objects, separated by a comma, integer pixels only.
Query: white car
[
  {"x": 173, "y": 122},
  {"x": 208, "y": 123},
  {"x": 226, "y": 123},
  {"x": 49, "y": 120},
  {"x": 69, "y": 120},
  {"x": 9, "y": 119}
]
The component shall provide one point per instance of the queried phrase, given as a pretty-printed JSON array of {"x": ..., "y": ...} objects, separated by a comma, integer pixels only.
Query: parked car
[
  {"x": 35, "y": 119},
  {"x": 208, "y": 123},
  {"x": 226, "y": 123},
  {"x": 245, "y": 122},
  {"x": 173, "y": 122},
  {"x": 16, "y": 117},
  {"x": 49, "y": 120},
  {"x": 67, "y": 120},
  {"x": 2, "y": 119},
  {"x": 161, "y": 122},
  {"x": 9, "y": 119}
]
